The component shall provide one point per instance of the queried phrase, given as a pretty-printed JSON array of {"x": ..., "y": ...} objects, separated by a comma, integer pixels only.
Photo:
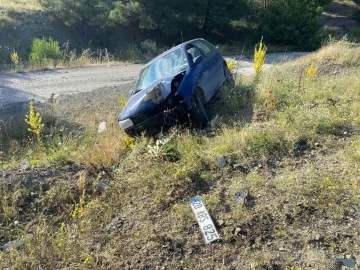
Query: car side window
[
  {"x": 193, "y": 52},
  {"x": 203, "y": 46}
]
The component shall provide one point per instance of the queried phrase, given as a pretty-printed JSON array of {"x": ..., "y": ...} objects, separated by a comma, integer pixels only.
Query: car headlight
[{"x": 126, "y": 123}]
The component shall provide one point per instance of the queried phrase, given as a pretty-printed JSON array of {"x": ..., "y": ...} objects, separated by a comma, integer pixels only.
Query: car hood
[{"x": 147, "y": 98}]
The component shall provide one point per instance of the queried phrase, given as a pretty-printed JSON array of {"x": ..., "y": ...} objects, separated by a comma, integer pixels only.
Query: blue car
[{"x": 173, "y": 88}]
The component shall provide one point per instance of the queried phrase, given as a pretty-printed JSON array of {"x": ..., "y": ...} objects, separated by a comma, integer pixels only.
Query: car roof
[{"x": 173, "y": 49}]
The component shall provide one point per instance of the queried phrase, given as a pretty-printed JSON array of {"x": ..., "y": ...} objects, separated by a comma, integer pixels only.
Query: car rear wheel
[{"x": 199, "y": 116}]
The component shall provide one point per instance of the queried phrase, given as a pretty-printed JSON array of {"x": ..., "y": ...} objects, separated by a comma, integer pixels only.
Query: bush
[
  {"x": 295, "y": 23},
  {"x": 44, "y": 51},
  {"x": 356, "y": 15},
  {"x": 355, "y": 33},
  {"x": 5, "y": 52}
]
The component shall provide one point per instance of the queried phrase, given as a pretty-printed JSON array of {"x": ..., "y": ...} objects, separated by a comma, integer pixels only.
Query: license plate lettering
[
  {"x": 202, "y": 216},
  {"x": 211, "y": 237},
  {"x": 207, "y": 227},
  {"x": 209, "y": 232},
  {"x": 197, "y": 205},
  {"x": 204, "y": 220}
]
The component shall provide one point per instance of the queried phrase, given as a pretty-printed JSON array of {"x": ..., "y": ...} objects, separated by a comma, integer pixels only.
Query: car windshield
[{"x": 165, "y": 66}]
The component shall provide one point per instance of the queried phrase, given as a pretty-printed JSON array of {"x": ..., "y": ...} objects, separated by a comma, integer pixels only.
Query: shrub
[
  {"x": 293, "y": 23},
  {"x": 44, "y": 51},
  {"x": 355, "y": 32},
  {"x": 130, "y": 53},
  {"x": 5, "y": 52},
  {"x": 356, "y": 14}
]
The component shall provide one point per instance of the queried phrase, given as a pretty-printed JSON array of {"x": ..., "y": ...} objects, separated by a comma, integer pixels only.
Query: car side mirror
[
  {"x": 132, "y": 91},
  {"x": 198, "y": 60}
]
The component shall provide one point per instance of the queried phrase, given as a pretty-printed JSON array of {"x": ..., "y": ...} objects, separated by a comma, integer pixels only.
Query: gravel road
[{"x": 39, "y": 86}]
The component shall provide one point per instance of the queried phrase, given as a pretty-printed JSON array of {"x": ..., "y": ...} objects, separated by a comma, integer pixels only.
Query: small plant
[
  {"x": 270, "y": 102},
  {"x": 163, "y": 148},
  {"x": 312, "y": 70},
  {"x": 15, "y": 58},
  {"x": 259, "y": 57},
  {"x": 231, "y": 64},
  {"x": 122, "y": 101},
  {"x": 129, "y": 143},
  {"x": 44, "y": 51},
  {"x": 35, "y": 122},
  {"x": 10, "y": 201}
]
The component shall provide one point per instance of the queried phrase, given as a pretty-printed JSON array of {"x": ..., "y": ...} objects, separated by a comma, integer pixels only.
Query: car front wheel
[{"x": 198, "y": 113}]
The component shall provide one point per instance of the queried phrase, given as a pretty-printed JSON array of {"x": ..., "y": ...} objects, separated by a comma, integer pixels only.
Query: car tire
[
  {"x": 198, "y": 113},
  {"x": 229, "y": 77}
]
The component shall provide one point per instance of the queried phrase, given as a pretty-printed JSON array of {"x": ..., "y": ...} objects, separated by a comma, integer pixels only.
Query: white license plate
[{"x": 206, "y": 224}]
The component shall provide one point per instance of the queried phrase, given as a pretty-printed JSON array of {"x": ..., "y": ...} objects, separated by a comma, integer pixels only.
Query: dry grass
[{"x": 125, "y": 205}]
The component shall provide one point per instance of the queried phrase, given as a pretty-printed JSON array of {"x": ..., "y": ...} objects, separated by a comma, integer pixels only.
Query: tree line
[{"x": 282, "y": 22}]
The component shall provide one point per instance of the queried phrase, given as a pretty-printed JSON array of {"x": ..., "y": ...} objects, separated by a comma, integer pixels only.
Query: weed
[
  {"x": 163, "y": 148},
  {"x": 129, "y": 143},
  {"x": 103, "y": 150},
  {"x": 131, "y": 53},
  {"x": 231, "y": 64},
  {"x": 10, "y": 202},
  {"x": 35, "y": 122},
  {"x": 122, "y": 101},
  {"x": 78, "y": 210},
  {"x": 259, "y": 57},
  {"x": 58, "y": 199},
  {"x": 15, "y": 58},
  {"x": 312, "y": 70}
]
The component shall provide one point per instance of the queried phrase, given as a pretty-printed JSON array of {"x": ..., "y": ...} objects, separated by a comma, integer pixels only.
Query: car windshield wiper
[{"x": 136, "y": 90}]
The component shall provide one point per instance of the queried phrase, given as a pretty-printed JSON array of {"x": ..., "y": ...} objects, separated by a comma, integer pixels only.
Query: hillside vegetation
[
  {"x": 290, "y": 138},
  {"x": 23, "y": 20},
  {"x": 117, "y": 27}
]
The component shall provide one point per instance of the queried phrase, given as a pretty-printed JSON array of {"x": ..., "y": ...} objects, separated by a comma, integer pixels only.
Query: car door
[
  {"x": 215, "y": 67},
  {"x": 202, "y": 70}
]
